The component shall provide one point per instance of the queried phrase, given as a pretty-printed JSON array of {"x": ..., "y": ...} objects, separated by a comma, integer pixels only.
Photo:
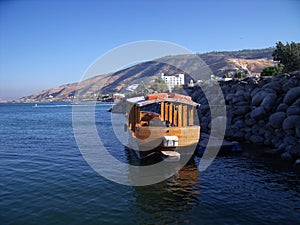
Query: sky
[{"x": 44, "y": 44}]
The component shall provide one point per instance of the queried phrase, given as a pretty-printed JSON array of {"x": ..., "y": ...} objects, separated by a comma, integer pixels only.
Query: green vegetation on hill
[
  {"x": 242, "y": 54},
  {"x": 288, "y": 57}
]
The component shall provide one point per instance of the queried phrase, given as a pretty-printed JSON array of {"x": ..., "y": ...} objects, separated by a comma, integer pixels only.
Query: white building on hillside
[{"x": 173, "y": 80}]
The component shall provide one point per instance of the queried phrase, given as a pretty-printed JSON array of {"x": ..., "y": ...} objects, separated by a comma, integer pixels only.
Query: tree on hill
[
  {"x": 240, "y": 74},
  {"x": 272, "y": 70},
  {"x": 159, "y": 85},
  {"x": 288, "y": 55}
]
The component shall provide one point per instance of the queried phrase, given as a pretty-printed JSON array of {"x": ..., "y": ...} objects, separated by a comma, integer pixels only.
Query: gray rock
[
  {"x": 289, "y": 83},
  {"x": 269, "y": 102},
  {"x": 267, "y": 142},
  {"x": 291, "y": 122},
  {"x": 255, "y": 91},
  {"x": 282, "y": 146},
  {"x": 241, "y": 110},
  {"x": 256, "y": 139},
  {"x": 297, "y": 166},
  {"x": 279, "y": 133},
  {"x": 239, "y": 124},
  {"x": 247, "y": 95},
  {"x": 290, "y": 140},
  {"x": 277, "y": 119},
  {"x": 292, "y": 95},
  {"x": 229, "y": 97},
  {"x": 287, "y": 157},
  {"x": 238, "y": 135},
  {"x": 238, "y": 99},
  {"x": 242, "y": 103},
  {"x": 247, "y": 136},
  {"x": 290, "y": 132},
  {"x": 257, "y": 129},
  {"x": 239, "y": 93},
  {"x": 282, "y": 107},
  {"x": 258, "y": 113},
  {"x": 249, "y": 122},
  {"x": 268, "y": 134},
  {"x": 297, "y": 103},
  {"x": 258, "y": 97},
  {"x": 297, "y": 132},
  {"x": 295, "y": 151},
  {"x": 276, "y": 141},
  {"x": 276, "y": 86},
  {"x": 293, "y": 110}
]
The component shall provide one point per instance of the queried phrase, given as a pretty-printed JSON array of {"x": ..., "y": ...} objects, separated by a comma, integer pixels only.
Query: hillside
[{"x": 250, "y": 61}]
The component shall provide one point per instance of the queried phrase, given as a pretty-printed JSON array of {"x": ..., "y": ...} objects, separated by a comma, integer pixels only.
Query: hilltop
[{"x": 251, "y": 62}]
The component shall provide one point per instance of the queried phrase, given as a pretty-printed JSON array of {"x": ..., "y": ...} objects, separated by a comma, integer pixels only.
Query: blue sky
[{"x": 44, "y": 44}]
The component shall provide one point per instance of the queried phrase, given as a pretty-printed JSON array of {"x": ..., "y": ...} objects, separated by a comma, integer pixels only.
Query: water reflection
[{"x": 169, "y": 201}]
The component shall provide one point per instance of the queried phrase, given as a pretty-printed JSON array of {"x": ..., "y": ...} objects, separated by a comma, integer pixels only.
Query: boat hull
[{"x": 148, "y": 141}]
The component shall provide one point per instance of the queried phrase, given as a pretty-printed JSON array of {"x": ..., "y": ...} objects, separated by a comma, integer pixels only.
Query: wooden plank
[
  {"x": 166, "y": 111},
  {"x": 175, "y": 117},
  {"x": 138, "y": 118},
  {"x": 184, "y": 116},
  {"x": 170, "y": 113},
  {"x": 179, "y": 123},
  {"x": 191, "y": 116},
  {"x": 186, "y": 135},
  {"x": 162, "y": 111}
]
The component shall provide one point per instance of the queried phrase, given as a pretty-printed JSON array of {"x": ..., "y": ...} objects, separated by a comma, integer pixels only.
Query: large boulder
[
  {"x": 275, "y": 85},
  {"x": 238, "y": 99},
  {"x": 297, "y": 166},
  {"x": 239, "y": 124},
  {"x": 282, "y": 107},
  {"x": 269, "y": 102},
  {"x": 290, "y": 82},
  {"x": 295, "y": 151},
  {"x": 290, "y": 140},
  {"x": 257, "y": 129},
  {"x": 297, "y": 102},
  {"x": 229, "y": 97},
  {"x": 250, "y": 122},
  {"x": 241, "y": 110},
  {"x": 256, "y": 139},
  {"x": 291, "y": 122},
  {"x": 277, "y": 119},
  {"x": 292, "y": 95},
  {"x": 287, "y": 157},
  {"x": 258, "y": 113},
  {"x": 293, "y": 110},
  {"x": 258, "y": 97},
  {"x": 238, "y": 135}
]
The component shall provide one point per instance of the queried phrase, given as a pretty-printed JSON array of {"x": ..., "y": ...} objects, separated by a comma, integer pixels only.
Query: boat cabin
[{"x": 161, "y": 110}]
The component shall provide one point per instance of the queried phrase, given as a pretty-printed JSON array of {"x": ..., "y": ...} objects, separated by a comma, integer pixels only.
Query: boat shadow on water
[{"x": 180, "y": 193}]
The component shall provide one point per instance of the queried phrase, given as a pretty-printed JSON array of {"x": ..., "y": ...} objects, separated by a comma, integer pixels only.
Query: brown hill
[{"x": 251, "y": 62}]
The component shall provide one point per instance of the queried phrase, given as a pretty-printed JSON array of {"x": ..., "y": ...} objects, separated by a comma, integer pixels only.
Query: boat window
[{"x": 151, "y": 108}]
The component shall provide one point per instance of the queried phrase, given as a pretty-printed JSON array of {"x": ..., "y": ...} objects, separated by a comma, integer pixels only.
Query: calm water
[{"x": 45, "y": 180}]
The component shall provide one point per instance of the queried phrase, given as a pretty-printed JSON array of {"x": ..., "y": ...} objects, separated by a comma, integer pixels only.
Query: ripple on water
[{"x": 45, "y": 180}]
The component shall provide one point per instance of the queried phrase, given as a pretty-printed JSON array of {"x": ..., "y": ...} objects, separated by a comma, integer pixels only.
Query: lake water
[{"x": 45, "y": 180}]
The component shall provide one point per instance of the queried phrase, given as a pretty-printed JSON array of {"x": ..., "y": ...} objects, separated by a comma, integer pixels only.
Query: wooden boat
[{"x": 162, "y": 123}]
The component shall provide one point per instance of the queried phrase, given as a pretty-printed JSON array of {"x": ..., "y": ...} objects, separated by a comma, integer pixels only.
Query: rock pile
[{"x": 259, "y": 110}]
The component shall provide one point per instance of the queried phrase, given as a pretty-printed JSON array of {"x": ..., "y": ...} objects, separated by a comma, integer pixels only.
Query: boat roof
[{"x": 141, "y": 101}]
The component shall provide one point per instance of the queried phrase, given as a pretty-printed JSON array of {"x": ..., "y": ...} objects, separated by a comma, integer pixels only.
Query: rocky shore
[{"x": 264, "y": 111}]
